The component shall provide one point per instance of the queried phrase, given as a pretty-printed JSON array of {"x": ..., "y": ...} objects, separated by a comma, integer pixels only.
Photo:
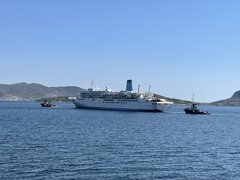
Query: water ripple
[{"x": 66, "y": 143}]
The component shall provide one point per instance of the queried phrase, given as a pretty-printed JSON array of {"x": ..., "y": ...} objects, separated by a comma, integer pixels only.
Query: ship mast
[
  {"x": 92, "y": 84},
  {"x": 149, "y": 89},
  {"x": 138, "y": 89},
  {"x": 193, "y": 98}
]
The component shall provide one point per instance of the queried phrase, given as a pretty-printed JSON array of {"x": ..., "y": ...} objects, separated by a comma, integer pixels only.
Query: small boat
[
  {"x": 46, "y": 103},
  {"x": 194, "y": 110}
]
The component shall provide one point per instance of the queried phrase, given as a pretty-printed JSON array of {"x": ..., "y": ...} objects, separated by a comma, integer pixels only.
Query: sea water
[{"x": 68, "y": 143}]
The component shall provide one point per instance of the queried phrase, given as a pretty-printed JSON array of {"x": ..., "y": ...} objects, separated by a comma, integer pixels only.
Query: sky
[{"x": 177, "y": 47}]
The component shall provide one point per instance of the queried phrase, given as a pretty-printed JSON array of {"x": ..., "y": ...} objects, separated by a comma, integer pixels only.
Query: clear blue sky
[{"x": 179, "y": 47}]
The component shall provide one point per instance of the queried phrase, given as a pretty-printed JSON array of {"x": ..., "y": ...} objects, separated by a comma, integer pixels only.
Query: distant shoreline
[{"x": 38, "y": 92}]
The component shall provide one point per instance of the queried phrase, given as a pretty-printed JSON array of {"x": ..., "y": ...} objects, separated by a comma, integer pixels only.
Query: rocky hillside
[
  {"x": 236, "y": 95},
  {"x": 175, "y": 101},
  {"x": 233, "y": 101},
  {"x": 33, "y": 91}
]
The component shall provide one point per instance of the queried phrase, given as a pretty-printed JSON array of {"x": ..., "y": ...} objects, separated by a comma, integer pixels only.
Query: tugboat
[
  {"x": 194, "y": 110},
  {"x": 46, "y": 103}
]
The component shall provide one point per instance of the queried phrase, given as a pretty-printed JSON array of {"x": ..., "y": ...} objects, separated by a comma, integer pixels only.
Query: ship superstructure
[{"x": 124, "y": 100}]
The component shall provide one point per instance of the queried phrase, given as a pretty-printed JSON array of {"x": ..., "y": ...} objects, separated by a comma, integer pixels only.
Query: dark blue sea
[{"x": 67, "y": 143}]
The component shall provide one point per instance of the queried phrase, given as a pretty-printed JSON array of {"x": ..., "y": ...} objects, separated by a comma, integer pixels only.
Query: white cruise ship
[{"x": 123, "y": 101}]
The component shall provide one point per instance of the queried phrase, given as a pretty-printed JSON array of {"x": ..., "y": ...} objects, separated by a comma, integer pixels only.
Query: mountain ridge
[
  {"x": 232, "y": 101},
  {"x": 34, "y": 91}
]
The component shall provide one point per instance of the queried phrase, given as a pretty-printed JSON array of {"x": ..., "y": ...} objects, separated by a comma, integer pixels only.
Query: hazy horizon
[{"x": 177, "y": 47}]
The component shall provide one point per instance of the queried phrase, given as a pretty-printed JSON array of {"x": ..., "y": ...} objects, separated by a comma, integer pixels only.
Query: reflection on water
[{"x": 67, "y": 143}]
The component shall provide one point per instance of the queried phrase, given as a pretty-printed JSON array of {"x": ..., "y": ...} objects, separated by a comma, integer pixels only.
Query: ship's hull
[
  {"x": 48, "y": 105},
  {"x": 119, "y": 105},
  {"x": 190, "y": 111}
]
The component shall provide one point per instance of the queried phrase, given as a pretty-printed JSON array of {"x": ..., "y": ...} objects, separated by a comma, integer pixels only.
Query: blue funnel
[{"x": 129, "y": 85}]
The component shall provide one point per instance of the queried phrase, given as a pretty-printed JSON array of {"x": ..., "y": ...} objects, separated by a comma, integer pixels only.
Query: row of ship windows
[
  {"x": 111, "y": 100},
  {"x": 119, "y": 101},
  {"x": 115, "y": 102}
]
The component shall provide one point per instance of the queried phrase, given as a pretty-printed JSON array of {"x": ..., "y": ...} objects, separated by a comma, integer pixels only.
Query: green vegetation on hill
[
  {"x": 33, "y": 91},
  {"x": 55, "y": 99}
]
